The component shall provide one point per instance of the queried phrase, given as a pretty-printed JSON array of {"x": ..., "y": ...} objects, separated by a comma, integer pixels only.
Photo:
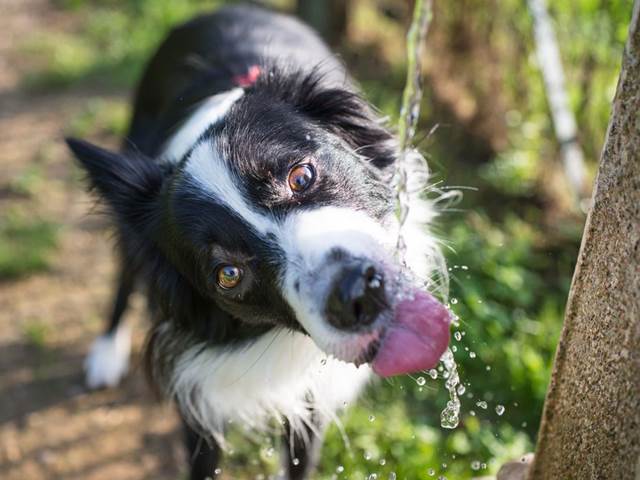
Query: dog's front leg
[
  {"x": 203, "y": 455},
  {"x": 302, "y": 449}
]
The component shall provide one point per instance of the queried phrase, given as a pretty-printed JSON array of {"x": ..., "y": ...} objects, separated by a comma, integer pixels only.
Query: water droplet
[
  {"x": 442, "y": 477},
  {"x": 472, "y": 354},
  {"x": 217, "y": 471},
  {"x": 457, "y": 336},
  {"x": 472, "y": 413},
  {"x": 372, "y": 418},
  {"x": 295, "y": 461},
  {"x": 475, "y": 465},
  {"x": 382, "y": 461},
  {"x": 461, "y": 389},
  {"x": 307, "y": 137},
  {"x": 464, "y": 267},
  {"x": 499, "y": 409},
  {"x": 392, "y": 476},
  {"x": 450, "y": 416},
  {"x": 433, "y": 373},
  {"x": 483, "y": 466},
  {"x": 431, "y": 472},
  {"x": 367, "y": 456},
  {"x": 454, "y": 301},
  {"x": 482, "y": 404},
  {"x": 524, "y": 424},
  {"x": 373, "y": 476},
  {"x": 444, "y": 466},
  {"x": 421, "y": 381},
  {"x": 340, "y": 469},
  {"x": 270, "y": 451},
  {"x": 488, "y": 368},
  {"x": 454, "y": 349}
]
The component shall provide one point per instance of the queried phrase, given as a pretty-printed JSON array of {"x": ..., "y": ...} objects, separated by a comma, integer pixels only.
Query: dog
[{"x": 253, "y": 199}]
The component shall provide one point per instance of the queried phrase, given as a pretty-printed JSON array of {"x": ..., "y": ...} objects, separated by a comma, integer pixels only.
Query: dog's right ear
[{"x": 128, "y": 184}]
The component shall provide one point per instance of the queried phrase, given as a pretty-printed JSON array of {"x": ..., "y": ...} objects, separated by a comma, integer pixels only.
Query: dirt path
[{"x": 50, "y": 427}]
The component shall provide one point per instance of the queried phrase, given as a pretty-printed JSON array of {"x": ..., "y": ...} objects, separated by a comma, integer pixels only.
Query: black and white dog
[{"x": 253, "y": 197}]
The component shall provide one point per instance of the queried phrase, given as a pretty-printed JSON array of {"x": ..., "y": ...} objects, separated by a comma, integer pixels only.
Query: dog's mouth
[{"x": 413, "y": 339}]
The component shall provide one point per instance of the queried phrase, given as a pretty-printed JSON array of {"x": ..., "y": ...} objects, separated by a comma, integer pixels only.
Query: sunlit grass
[{"x": 26, "y": 245}]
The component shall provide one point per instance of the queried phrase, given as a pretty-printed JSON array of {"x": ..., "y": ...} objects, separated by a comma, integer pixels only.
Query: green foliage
[
  {"x": 26, "y": 183},
  {"x": 101, "y": 117},
  {"x": 25, "y": 245},
  {"x": 110, "y": 44},
  {"x": 35, "y": 332}
]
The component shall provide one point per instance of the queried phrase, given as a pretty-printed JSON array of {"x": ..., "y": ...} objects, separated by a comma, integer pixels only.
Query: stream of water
[{"x": 407, "y": 123}]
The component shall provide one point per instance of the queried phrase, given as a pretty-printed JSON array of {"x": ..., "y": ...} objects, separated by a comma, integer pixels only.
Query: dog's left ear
[
  {"x": 129, "y": 184},
  {"x": 349, "y": 116}
]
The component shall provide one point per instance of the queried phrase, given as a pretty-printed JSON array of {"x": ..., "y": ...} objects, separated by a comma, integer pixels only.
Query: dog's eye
[
  {"x": 301, "y": 177},
  {"x": 229, "y": 276}
]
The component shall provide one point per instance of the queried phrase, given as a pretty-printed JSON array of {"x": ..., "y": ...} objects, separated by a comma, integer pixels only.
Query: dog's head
[{"x": 278, "y": 213}]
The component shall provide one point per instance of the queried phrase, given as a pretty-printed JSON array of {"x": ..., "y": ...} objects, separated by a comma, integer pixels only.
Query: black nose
[{"x": 357, "y": 297}]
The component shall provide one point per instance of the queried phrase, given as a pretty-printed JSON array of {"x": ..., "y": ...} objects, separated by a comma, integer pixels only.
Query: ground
[{"x": 50, "y": 426}]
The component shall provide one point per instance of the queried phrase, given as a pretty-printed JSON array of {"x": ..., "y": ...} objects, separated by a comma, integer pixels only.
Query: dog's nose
[{"x": 357, "y": 296}]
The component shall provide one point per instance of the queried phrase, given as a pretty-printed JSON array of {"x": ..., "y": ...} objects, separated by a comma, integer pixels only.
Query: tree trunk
[{"x": 591, "y": 421}]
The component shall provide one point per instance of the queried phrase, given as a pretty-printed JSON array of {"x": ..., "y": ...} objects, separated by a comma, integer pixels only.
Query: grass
[
  {"x": 101, "y": 117},
  {"x": 26, "y": 245},
  {"x": 35, "y": 333},
  {"x": 109, "y": 45},
  {"x": 27, "y": 183}
]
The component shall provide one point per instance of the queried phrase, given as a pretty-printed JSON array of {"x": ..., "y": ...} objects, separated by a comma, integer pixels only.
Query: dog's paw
[{"x": 108, "y": 359}]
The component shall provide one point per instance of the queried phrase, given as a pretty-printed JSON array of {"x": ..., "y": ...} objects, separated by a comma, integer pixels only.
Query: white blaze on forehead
[
  {"x": 214, "y": 176},
  {"x": 209, "y": 112},
  {"x": 313, "y": 233}
]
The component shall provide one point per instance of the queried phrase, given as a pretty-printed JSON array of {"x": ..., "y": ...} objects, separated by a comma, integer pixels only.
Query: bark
[{"x": 591, "y": 420}]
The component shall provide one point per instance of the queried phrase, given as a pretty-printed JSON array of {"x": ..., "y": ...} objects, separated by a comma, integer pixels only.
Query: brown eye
[
  {"x": 229, "y": 276},
  {"x": 301, "y": 177}
]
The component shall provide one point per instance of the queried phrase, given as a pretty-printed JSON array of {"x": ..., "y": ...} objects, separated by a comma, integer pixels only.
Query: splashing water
[
  {"x": 450, "y": 416},
  {"x": 409, "y": 115}
]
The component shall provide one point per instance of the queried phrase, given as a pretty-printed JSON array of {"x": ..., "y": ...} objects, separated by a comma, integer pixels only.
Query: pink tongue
[{"x": 416, "y": 339}]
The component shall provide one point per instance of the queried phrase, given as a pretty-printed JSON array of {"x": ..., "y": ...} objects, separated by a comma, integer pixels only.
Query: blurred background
[{"x": 67, "y": 67}]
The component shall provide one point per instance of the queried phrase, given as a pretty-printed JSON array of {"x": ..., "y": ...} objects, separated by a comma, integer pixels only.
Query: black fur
[{"x": 303, "y": 106}]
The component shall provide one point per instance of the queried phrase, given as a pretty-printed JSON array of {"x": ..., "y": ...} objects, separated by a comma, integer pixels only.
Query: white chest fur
[{"x": 273, "y": 376}]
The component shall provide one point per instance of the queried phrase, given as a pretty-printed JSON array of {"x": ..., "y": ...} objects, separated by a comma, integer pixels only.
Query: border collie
[{"x": 253, "y": 198}]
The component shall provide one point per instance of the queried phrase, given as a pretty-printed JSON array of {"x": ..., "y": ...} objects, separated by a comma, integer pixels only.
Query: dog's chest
[{"x": 282, "y": 375}]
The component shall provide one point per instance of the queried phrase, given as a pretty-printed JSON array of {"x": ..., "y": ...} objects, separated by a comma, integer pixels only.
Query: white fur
[
  {"x": 307, "y": 238},
  {"x": 423, "y": 255},
  {"x": 210, "y": 111},
  {"x": 269, "y": 377},
  {"x": 207, "y": 167},
  {"x": 108, "y": 360}
]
